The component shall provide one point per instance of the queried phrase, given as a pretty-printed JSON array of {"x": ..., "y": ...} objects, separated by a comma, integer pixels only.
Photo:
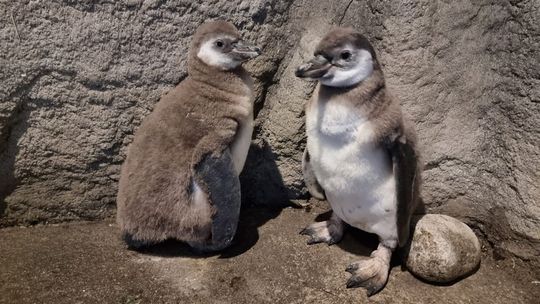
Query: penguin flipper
[
  {"x": 218, "y": 177},
  {"x": 310, "y": 179},
  {"x": 405, "y": 165}
]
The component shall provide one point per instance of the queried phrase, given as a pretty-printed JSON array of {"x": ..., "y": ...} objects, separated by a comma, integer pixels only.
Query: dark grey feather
[
  {"x": 217, "y": 176},
  {"x": 405, "y": 162}
]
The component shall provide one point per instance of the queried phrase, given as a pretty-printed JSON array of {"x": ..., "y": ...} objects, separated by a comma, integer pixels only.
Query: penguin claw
[
  {"x": 322, "y": 232},
  {"x": 314, "y": 241},
  {"x": 373, "y": 290},
  {"x": 371, "y": 285},
  {"x": 332, "y": 242},
  {"x": 371, "y": 274},
  {"x": 357, "y": 281},
  {"x": 351, "y": 268}
]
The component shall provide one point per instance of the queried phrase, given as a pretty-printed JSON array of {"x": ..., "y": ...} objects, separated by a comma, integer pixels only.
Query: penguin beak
[
  {"x": 245, "y": 51},
  {"x": 315, "y": 68}
]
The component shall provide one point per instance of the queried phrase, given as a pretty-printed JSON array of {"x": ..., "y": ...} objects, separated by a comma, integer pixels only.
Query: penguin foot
[
  {"x": 372, "y": 273},
  {"x": 329, "y": 232}
]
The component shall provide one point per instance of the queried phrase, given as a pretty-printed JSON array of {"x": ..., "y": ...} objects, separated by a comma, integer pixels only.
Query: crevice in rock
[
  {"x": 102, "y": 85},
  {"x": 345, "y": 12},
  {"x": 268, "y": 80},
  {"x": 438, "y": 162}
]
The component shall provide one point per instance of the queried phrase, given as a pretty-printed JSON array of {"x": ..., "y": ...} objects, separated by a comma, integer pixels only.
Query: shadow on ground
[{"x": 246, "y": 237}]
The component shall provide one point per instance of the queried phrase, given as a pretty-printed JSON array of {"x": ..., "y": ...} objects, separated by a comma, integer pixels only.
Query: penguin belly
[
  {"x": 360, "y": 187},
  {"x": 355, "y": 173}
]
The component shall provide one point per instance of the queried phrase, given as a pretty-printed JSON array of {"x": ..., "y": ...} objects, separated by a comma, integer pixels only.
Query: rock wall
[{"x": 77, "y": 77}]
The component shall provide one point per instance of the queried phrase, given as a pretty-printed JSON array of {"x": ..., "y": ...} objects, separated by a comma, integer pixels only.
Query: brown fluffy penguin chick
[
  {"x": 180, "y": 177},
  {"x": 361, "y": 153}
]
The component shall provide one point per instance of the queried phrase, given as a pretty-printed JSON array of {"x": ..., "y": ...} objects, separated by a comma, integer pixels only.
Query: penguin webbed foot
[
  {"x": 329, "y": 232},
  {"x": 372, "y": 273}
]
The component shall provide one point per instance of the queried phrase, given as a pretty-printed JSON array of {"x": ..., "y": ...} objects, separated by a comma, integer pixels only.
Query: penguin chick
[
  {"x": 361, "y": 153},
  {"x": 180, "y": 177}
]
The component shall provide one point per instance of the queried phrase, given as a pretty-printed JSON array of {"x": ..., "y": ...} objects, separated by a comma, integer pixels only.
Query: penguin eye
[
  {"x": 219, "y": 44},
  {"x": 346, "y": 55}
]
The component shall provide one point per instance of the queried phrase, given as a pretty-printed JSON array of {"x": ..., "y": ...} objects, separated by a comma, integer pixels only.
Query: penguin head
[
  {"x": 218, "y": 44},
  {"x": 343, "y": 58}
]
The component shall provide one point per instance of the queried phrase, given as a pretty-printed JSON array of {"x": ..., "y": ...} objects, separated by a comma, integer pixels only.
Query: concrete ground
[{"x": 269, "y": 263}]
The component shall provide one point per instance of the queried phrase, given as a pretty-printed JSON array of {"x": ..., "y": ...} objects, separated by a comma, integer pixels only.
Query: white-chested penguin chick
[
  {"x": 361, "y": 153},
  {"x": 180, "y": 178}
]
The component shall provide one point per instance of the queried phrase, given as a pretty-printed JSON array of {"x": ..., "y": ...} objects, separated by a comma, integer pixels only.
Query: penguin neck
[
  {"x": 367, "y": 93},
  {"x": 234, "y": 82}
]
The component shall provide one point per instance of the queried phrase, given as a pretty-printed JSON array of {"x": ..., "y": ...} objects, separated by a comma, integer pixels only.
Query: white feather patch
[
  {"x": 212, "y": 57},
  {"x": 199, "y": 198},
  {"x": 346, "y": 78},
  {"x": 240, "y": 145}
]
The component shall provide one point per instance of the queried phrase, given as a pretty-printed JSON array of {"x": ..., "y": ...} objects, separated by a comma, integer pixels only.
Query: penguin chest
[
  {"x": 354, "y": 171},
  {"x": 241, "y": 142}
]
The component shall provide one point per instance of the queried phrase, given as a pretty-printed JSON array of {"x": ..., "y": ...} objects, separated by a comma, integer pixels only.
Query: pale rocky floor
[{"x": 269, "y": 263}]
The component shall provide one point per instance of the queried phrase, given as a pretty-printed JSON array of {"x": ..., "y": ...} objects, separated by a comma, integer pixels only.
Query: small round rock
[{"x": 443, "y": 249}]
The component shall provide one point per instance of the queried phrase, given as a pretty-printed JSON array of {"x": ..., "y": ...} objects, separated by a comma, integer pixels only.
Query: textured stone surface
[
  {"x": 77, "y": 77},
  {"x": 442, "y": 249}
]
